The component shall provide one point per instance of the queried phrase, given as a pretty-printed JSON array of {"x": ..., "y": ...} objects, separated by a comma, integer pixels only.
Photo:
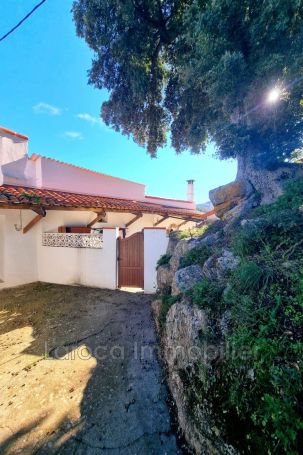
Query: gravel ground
[{"x": 79, "y": 374}]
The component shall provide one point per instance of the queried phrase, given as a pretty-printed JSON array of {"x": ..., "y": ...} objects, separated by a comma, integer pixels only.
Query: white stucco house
[{"x": 64, "y": 224}]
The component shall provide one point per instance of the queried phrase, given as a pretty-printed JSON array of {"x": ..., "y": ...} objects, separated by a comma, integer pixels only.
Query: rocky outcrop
[
  {"x": 177, "y": 249},
  {"x": 268, "y": 183},
  {"x": 232, "y": 199},
  {"x": 186, "y": 278},
  {"x": 164, "y": 276},
  {"x": 216, "y": 268},
  {"x": 184, "y": 336},
  {"x": 254, "y": 185},
  {"x": 183, "y": 347}
]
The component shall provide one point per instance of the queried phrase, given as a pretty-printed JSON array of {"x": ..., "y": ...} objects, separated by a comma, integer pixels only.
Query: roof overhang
[{"x": 24, "y": 198}]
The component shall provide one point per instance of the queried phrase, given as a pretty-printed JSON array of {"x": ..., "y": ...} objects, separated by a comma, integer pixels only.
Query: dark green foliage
[
  {"x": 207, "y": 294},
  {"x": 164, "y": 260},
  {"x": 196, "y": 255},
  {"x": 291, "y": 199},
  {"x": 199, "y": 70}
]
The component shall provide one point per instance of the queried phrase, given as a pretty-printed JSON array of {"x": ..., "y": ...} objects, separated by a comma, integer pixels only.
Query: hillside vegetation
[{"x": 253, "y": 389}]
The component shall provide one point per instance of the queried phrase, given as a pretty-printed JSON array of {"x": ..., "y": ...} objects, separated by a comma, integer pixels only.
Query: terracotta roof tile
[{"x": 32, "y": 197}]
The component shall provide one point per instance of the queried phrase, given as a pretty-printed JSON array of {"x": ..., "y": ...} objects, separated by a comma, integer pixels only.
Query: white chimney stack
[
  {"x": 190, "y": 190},
  {"x": 13, "y": 146}
]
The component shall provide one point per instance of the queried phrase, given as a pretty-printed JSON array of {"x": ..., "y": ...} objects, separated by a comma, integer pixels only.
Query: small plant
[
  {"x": 193, "y": 232},
  {"x": 167, "y": 302},
  {"x": 163, "y": 260},
  {"x": 196, "y": 255},
  {"x": 32, "y": 197},
  {"x": 206, "y": 294}
]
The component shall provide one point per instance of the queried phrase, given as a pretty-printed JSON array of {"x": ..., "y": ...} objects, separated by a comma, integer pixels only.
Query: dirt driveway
[{"x": 79, "y": 374}]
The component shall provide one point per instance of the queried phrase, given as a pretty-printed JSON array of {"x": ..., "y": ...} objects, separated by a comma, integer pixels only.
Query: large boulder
[
  {"x": 186, "y": 278},
  {"x": 240, "y": 189},
  {"x": 225, "y": 198}
]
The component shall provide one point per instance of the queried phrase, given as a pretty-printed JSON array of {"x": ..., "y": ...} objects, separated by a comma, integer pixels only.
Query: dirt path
[{"x": 79, "y": 374}]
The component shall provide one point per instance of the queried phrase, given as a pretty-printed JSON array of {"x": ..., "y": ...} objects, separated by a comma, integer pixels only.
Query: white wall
[
  {"x": 23, "y": 259},
  {"x": 11, "y": 147},
  {"x": 2, "y": 219},
  {"x": 155, "y": 244},
  {"x": 18, "y": 250},
  {"x": 65, "y": 177},
  {"x": 86, "y": 266}
]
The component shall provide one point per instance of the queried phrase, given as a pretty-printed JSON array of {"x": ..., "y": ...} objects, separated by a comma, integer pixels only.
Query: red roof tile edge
[{"x": 11, "y": 195}]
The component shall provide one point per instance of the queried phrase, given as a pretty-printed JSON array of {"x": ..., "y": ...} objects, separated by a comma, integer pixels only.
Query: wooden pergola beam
[
  {"x": 97, "y": 210},
  {"x": 39, "y": 210},
  {"x": 133, "y": 220},
  {"x": 161, "y": 220},
  {"x": 184, "y": 222},
  {"x": 32, "y": 223},
  {"x": 97, "y": 219}
]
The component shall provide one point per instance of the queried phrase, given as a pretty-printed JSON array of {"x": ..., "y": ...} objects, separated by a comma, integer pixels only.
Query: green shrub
[
  {"x": 291, "y": 199},
  {"x": 196, "y": 255},
  {"x": 163, "y": 260},
  {"x": 206, "y": 294},
  {"x": 275, "y": 231},
  {"x": 193, "y": 232}
]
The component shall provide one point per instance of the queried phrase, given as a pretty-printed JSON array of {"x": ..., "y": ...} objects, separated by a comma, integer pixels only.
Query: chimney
[
  {"x": 190, "y": 190},
  {"x": 13, "y": 146}
]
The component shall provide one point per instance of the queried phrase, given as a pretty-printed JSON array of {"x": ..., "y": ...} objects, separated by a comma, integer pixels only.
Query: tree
[{"x": 200, "y": 70}]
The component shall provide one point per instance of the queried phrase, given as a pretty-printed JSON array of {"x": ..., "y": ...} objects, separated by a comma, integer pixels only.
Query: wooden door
[{"x": 131, "y": 261}]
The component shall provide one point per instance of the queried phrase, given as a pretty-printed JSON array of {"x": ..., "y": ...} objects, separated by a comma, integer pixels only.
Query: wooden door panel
[{"x": 131, "y": 261}]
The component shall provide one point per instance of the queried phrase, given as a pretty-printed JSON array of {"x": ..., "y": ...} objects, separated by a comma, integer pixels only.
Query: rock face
[
  {"x": 183, "y": 347},
  {"x": 267, "y": 182},
  {"x": 253, "y": 186},
  {"x": 164, "y": 277},
  {"x": 215, "y": 268},
  {"x": 239, "y": 189},
  {"x": 185, "y": 279},
  {"x": 184, "y": 337},
  {"x": 232, "y": 197}
]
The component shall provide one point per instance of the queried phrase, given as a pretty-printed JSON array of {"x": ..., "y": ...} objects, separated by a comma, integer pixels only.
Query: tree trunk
[{"x": 267, "y": 182}]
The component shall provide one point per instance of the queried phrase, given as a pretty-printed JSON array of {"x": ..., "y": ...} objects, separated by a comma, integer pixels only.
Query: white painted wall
[
  {"x": 12, "y": 148},
  {"x": 23, "y": 259},
  {"x": 2, "y": 219},
  {"x": 155, "y": 244},
  {"x": 85, "y": 266},
  {"x": 18, "y": 250},
  {"x": 65, "y": 177}
]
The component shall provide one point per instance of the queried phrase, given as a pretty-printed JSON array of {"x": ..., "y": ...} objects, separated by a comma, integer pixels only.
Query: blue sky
[{"x": 44, "y": 94}]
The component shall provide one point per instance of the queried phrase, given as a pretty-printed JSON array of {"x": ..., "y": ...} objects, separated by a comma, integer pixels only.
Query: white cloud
[
  {"x": 48, "y": 109},
  {"x": 90, "y": 118},
  {"x": 75, "y": 135}
]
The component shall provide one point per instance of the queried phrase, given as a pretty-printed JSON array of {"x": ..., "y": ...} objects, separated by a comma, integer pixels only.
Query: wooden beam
[
  {"x": 184, "y": 222},
  {"x": 40, "y": 210},
  {"x": 133, "y": 220},
  {"x": 161, "y": 219},
  {"x": 97, "y": 210},
  {"x": 98, "y": 219},
  {"x": 32, "y": 223}
]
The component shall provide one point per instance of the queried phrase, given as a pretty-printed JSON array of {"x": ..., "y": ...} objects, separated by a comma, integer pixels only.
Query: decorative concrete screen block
[{"x": 72, "y": 240}]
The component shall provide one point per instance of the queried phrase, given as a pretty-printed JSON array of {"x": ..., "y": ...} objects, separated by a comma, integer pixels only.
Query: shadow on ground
[{"x": 80, "y": 374}]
